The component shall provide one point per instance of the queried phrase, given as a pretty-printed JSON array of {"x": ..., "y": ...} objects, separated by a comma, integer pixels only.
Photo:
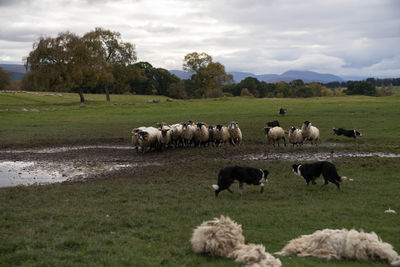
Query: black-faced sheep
[
  {"x": 310, "y": 133},
  {"x": 235, "y": 133},
  {"x": 176, "y": 134},
  {"x": 201, "y": 134},
  {"x": 164, "y": 139},
  {"x": 295, "y": 136},
  {"x": 221, "y": 134},
  {"x": 223, "y": 237},
  {"x": 188, "y": 129},
  {"x": 135, "y": 136},
  {"x": 148, "y": 138},
  {"x": 342, "y": 244},
  {"x": 274, "y": 134},
  {"x": 211, "y": 131}
]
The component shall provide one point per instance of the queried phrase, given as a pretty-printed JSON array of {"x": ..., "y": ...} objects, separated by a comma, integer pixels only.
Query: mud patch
[{"x": 15, "y": 173}]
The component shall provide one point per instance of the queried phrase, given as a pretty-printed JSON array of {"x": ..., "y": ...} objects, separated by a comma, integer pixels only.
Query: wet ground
[{"x": 77, "y": 163}]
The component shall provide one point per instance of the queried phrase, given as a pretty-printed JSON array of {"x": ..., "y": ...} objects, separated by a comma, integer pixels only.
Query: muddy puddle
[
  {"x": 14, "y": 173},
  {"x": 76, "y": 163}
]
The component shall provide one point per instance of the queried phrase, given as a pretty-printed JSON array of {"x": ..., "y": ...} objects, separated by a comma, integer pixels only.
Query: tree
[
  {"x": 360, "y": 88},
  {"x": 209, "y": 76},
  {"x": 5, "y": 81},
  {"x": 113, "y": 52},
  {"x": 61, "y": 64}
]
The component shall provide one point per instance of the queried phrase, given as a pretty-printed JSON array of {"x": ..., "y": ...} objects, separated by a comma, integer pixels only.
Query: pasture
[{"x": 145, "y": 216}]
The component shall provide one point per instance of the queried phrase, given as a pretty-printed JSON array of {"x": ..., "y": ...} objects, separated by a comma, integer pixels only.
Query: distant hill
[
  {"x": 17, "y": 71},
  {"x": 306, "y": 76}
]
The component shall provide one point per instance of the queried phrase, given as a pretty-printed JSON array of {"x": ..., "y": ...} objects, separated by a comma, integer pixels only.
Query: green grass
[
  {"x": 62, "y": 120},
  {"x": 146, "y": 219}
]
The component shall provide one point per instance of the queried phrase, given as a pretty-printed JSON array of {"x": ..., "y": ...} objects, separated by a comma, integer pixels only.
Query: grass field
[
  {"x": 62, "y": 120},
  {"x": 146, "y": 217}
]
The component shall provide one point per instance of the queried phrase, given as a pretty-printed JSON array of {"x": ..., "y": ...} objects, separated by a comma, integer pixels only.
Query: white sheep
[
  {"x": 274, "y": 134},
  {"x": 295, "y": 136},
  {"x": 223, "y": 237},
  {"x": 342, "y": 244},
  {"x": 221, "y": 134},
  {"x": 188, "y": 129},
  {"x": 310, "y": 133},
  {"x": 148, "y": 138},
  {"x": 235, "y": 133},
  {"x": 176, "y": 134},
  {"x": 164, "y": 139},
  {"x": 201, "y": 135},
  {"x": 135, "y": 136}
]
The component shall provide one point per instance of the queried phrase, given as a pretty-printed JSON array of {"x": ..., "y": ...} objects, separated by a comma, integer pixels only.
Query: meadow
[{"x": 145, "y": 217}]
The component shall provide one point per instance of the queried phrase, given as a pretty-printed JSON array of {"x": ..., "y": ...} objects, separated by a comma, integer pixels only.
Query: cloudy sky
[{"x": 342, "y": 37}]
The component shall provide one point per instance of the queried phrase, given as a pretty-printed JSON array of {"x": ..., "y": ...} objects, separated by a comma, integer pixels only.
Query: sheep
[
  {"x": 176, "y": 134},
  {"x": 221, "y": 134},
  {"x": 201, "y": 134},
  {"x": 310, "y": 133},
  {"x": 235, "y": 133},
  {"x": 164, "y": 139},
  {"x": 135, "y": 136},
  {"x": 223, "y": 237},
  {"x": 148, "y": 138},
  {"x": 272, "y": 123},
  {"x": 161, "y": 124},
  {"x": 211, "y": 132},
  {"x": 295, "y": 136},
  {"x": 188, "y": 130},
  {"x": 274, "y": 134},
  {"x": 342, "y": 244}
]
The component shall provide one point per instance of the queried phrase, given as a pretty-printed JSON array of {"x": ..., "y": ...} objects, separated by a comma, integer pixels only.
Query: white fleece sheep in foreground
[
  {"x": 342, "y": 244},
  {"x": 295, "y": 136},
  {"x": 274, "y": 134},
  {"x": 223, "y": 237},
  {"x": 310, "y": 133},
  {"x": 235, "y": 133}
]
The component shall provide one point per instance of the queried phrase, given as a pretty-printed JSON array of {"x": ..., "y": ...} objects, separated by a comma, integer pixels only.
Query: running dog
[
  {"x": 312, "y": 171},
  {"x": 249, "y": 175}
]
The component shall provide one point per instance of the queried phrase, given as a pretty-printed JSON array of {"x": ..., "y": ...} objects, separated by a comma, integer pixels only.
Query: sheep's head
[
  {"x": 143, "y": 136},
  {"x": 164, "y": 132},
  {"x": 233, "y": 125},
  {"x": 266, "y": 130},
  {"x": 307, "y": 124},
  {"x": 292, "y": 129},
  {"x": 218, "y": 127}
]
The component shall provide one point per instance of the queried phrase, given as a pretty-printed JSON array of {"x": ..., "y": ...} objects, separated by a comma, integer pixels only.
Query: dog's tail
[{"x": 216, "y": 187}]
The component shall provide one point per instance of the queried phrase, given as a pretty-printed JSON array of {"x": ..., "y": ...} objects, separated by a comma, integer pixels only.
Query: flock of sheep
[
  {"x": 274, "y": 133},
  {"x": 186, "y": 134},
  {"x": 190, "y": 133}
]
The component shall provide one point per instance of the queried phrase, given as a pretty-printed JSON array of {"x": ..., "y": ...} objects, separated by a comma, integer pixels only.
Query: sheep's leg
[{"x": 240, "y": 189}]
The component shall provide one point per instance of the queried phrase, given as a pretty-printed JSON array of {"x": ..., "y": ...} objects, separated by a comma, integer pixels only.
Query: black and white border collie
[
  {"x": 249, "y": 175},
  {"x": 348, "y": 133},
  {"x": 312, "y": 171}
]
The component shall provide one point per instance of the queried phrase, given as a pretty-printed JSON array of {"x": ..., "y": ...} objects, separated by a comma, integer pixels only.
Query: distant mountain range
[
  {"x": 18, "y": 71},
  {"x": 306, "y": 76}
]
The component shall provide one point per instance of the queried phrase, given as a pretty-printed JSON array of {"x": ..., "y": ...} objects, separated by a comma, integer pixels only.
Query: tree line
[{"x": 101, "y": 62}]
